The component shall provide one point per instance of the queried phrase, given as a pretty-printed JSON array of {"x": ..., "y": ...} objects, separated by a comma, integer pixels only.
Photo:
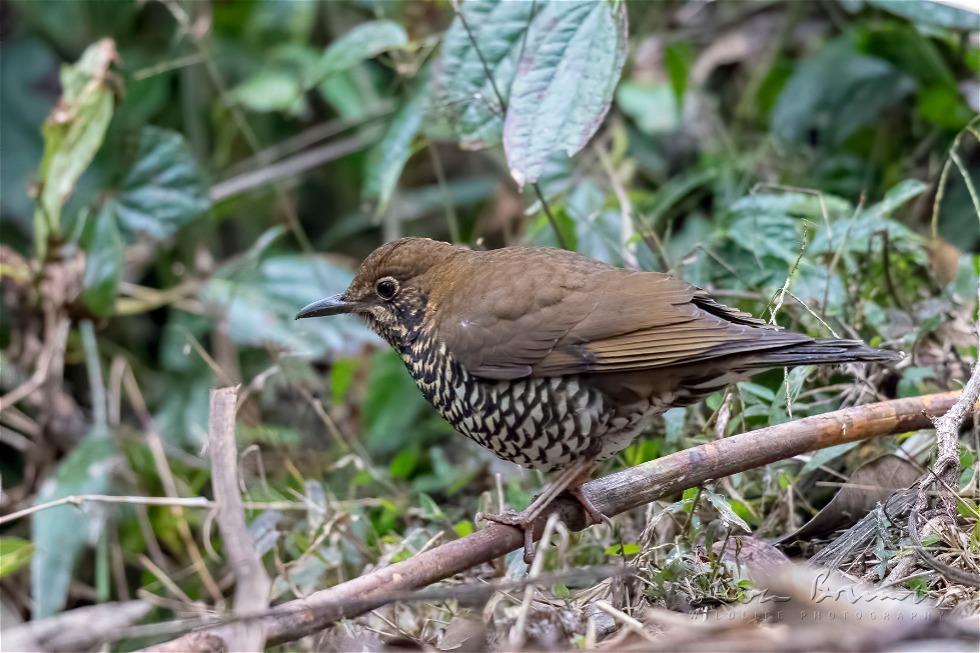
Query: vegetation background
[{"x": 179, "y": 177}]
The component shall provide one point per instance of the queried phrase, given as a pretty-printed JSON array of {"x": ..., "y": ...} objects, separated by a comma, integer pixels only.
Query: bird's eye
[{"x": 386, "y": 288}]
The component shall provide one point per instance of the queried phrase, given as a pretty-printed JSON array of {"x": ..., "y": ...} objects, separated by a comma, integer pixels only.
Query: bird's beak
[{"x": 330, "y": 306}]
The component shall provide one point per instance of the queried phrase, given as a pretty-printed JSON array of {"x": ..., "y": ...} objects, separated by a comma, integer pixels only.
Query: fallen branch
[{"x": 611, "y": 494}]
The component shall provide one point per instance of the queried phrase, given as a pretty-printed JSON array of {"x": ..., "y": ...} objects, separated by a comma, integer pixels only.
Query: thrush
[{"x": 555, "y": 361}]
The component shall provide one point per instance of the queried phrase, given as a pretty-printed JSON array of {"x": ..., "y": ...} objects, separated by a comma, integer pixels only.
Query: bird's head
[{"x": 391, "y": 289}]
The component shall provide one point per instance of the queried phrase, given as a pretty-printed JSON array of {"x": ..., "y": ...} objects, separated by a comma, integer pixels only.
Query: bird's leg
[{"x": 570, "y": 479}]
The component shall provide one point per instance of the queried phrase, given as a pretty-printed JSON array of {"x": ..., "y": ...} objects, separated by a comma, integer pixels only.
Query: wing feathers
[{"x": 566, "y": 314}]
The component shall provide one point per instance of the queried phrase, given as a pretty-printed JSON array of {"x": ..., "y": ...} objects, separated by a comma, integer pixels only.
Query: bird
[{"x": 556, "y": 361}]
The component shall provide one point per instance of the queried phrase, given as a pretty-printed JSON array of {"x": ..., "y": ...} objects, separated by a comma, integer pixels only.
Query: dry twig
[{"x": 251, "y": 581}]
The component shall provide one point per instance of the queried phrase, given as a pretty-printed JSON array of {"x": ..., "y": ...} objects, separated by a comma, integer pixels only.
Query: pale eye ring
[{"x": 386, "y": 287}]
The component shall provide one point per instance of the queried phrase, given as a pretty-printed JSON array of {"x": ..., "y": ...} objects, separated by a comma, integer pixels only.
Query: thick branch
[{"x": 612, "y": 494}]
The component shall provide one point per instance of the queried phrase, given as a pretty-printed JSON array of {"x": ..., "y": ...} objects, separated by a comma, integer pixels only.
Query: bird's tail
[{"x": 823, "y": 351}]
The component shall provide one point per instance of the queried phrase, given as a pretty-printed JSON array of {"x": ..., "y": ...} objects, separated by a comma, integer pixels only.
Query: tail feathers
[{"x": 826, "y": 351}]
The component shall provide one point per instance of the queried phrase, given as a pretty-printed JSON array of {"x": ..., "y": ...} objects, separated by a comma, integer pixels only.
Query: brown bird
[{"x": 556, "y": 361}]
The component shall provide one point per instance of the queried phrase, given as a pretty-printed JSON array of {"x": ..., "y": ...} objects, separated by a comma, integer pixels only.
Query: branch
[
  {"x": 290, "y": 167},
  {"x": 251, "y": 581},
  {"x": 947, "y": 465},
  {"x": 611, "y": 494}
]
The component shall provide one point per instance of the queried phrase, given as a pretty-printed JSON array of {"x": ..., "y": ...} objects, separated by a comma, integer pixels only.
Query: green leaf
[
  {"x": 404, "y": 463},
  {"x": 164, "y": 189},
  {"x": 541, "y": 233},
  {"x": 908, "y": 49},
  {"x": 462, "y": 93},
  {"x": 943, "y": 106},
  {"x": 103, "y": 262},
  {"x": 652, "y": 106},
  {"x": 678, "y": 58},
  {"x": 837, "y": 91},
  {"x": 913, "y": 381},
  {"x": 896, "y": 197},
  {"x": 728, "y": 515},
  {"x": 564, "y": 83},
  {"x": 933, "y": 13},
  {"x": 261, "y": 301},
  {"x": 430, "y": 509},
  {"x": 760, "y": 391},
  {"x": 61, "y": 534},
  {"x": 387, "y": 159},
  {"x": 823, "y": 456},
  {"x": 14, "y": 554},
  {"x": 393, "y": 403},
  {"x": 73, "y": 133},
  {"x": 341, "y": 376},
  {"x": 271, "y": 89},
  {"x": 364, "y": 42},
  {"x": 627, "y": 549},
  {"x": 281, "y": 83}
]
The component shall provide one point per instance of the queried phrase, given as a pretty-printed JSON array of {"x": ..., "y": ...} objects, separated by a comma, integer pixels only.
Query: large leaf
[
  {"x": 837, "y": 91},
  {"x": 387, "y": 159},
  {"x": 164, "y": 189},
  {"x": 103, "y": 262},
  {"x": 73, "y": 133},
  {"x": 61, "y": 534},
  {"x": 930, "y": 12},
  {"x": 564, "y": 82},
  {"x": 261, "y": 301},
  {"x": 365, "y": 41},
  {"x": 462, "y": 92}
]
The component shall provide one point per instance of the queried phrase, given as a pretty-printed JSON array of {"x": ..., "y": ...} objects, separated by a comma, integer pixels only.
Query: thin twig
[
  {"x": 452, "y": 220},
  {"x": 54, "y": 348},
  {"x": 947, "y": 465},
  {"x": 551, "y": 218},
  {"x": 309, "y": 137},
  {"x": 626, "y": 620},
  {"x": 950, "y": 573},
  {"x": 169, "y": 482},
  {"x": 625, "y": 208},
  {"x": 251, "y": 581},
  {"x": 290, "y": 167},
  {"x": 517, "y": 633},
  {"x": 183, "y": 502},
  {"x": 944, "y": 177}
]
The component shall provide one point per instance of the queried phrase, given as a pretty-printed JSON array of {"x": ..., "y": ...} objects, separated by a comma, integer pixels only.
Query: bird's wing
[{"x": 571, "y": 315}]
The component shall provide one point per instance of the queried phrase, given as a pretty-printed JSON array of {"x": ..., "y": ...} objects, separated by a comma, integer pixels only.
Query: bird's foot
[
  {"x": 591, "y": 512},
  {"x": 519, "y": 520},
  {"x": 525, "y": 520}
]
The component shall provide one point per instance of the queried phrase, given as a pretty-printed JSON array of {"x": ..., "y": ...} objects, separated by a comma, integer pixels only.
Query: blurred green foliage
[{"x": 183, "y": 176}]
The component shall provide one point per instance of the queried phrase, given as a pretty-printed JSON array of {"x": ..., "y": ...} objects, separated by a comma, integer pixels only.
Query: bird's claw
[
  {"x": 593, "y": 514},
  {"x": 519, "y": 520}
]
